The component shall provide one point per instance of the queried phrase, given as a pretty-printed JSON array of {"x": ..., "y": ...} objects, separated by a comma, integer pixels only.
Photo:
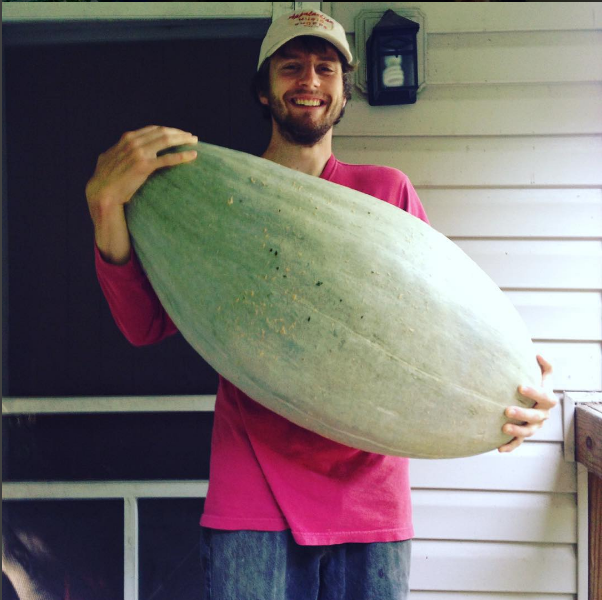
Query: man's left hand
[{"x": 532, "y": 418}]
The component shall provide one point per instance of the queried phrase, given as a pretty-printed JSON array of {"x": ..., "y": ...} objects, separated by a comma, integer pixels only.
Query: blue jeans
[{"x": 260, "y": 565}]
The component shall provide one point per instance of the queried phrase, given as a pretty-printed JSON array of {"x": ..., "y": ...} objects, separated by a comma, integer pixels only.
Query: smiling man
[
  {"x": 289, "y": 514},
  {"x": 305, "y": 93},
  {"x": 304, "y": 82}
]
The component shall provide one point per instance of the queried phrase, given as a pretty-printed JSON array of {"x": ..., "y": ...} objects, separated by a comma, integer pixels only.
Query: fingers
[
  {"x": 165, "y": 137},
  {"x": 527, "y": 415},
  {"x": 519, "y": 433},
  {"x": 151, "y": 132},
  {"x": 143, "y": 145},
  {"x": 512, "y": 445},
  {"x": 546, "y": 367},
  {"x": 176, "y": 158},
  {"x": 543, "y": 398},
  {"x": 523, "y": 430},
  {"x": 530, "y": 420},
  {"x": 122, "y": 169}
]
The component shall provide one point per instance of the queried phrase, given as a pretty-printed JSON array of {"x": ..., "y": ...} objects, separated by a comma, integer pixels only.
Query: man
[{"x": 288, "y": 514}]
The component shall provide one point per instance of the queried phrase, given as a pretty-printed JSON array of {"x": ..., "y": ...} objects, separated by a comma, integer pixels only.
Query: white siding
[
  {"x": 511, "y": 213},
  {"x": 504, "y": 146},
  {"x": 482, "y": 162},
  {"x": 484, "y": 110},
  {"x": 552, "y": 56}
]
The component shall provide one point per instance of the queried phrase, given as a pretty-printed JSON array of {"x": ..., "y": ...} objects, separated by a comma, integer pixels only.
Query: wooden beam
[
  {"x": 595, "y": 536},
  {"x": 588, "y": 451},
  {"x": 588, "y": 436}
]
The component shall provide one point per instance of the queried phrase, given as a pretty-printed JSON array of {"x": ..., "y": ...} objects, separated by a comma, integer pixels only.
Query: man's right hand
[{"x": 119, "y": 172}]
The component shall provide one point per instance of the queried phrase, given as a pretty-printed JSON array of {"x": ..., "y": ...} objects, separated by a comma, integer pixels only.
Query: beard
[{"x": 302, "y": 130}]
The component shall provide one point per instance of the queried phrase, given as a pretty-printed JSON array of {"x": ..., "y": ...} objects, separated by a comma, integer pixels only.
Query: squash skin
[{"x": 336, "y": 310}]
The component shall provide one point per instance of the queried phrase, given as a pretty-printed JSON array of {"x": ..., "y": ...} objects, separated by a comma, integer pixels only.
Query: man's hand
[
  {"x": 532, "y": 418},
  {"x": 120, "y": 171}
]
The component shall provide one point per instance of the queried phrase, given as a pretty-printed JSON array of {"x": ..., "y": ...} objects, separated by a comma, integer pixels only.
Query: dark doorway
[{"x": 64, "y": 105}]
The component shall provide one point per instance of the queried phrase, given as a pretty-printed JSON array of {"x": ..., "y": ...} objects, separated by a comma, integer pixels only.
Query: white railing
[{"x": 128, "y": 491}]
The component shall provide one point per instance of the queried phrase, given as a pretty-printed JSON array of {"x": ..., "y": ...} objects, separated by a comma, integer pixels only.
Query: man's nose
[{"x": 309, "y": 76}]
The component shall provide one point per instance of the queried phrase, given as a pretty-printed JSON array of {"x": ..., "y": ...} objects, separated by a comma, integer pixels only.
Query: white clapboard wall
[{"x": 504, "y": 147}]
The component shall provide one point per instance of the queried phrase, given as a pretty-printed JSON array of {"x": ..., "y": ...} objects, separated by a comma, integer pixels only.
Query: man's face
[{"x": 306, "y": 92}]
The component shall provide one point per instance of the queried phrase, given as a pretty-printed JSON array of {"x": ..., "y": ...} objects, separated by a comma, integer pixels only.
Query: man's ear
[{"x": 263, "y": 99}]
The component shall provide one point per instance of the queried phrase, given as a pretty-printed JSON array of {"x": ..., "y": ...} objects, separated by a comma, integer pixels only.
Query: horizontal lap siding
[
  {"x": 479, "y": 566},
  {"x": 516, "y": 213},
  {"x": 535, "y": 467},
  {"x": 549, "y": 264},
  {"x": 577, "y": 364},
  {"x": 520, "y": 516},
  {"x": 553, "y": 56},
  {"x": 504, "y": 146},
  {"x": 482, "y": 162},
  {"x": 569, "y": 316},
  {"x": 460, "y": 109}
]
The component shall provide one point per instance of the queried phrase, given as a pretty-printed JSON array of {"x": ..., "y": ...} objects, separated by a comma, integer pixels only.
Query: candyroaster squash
[{"x": 336, "y": 310}]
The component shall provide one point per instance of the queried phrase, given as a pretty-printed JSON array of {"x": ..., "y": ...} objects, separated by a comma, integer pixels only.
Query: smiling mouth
[{"x": 307, "y": 102}]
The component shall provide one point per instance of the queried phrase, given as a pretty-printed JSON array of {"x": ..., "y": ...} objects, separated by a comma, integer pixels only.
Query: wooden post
[
  {"x": 588, "y": 451},
  {"x": 595, "y": 536}
]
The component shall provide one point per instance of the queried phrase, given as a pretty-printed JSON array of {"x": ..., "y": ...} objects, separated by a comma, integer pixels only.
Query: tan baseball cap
[{"x": 304, "y": 22}]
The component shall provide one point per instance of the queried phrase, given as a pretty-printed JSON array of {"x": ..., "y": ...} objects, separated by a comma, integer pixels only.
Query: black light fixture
[{"x": 392, "y": 61}]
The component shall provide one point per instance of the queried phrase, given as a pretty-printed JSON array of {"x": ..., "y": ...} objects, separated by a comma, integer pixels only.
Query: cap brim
[{"x": 325, "y": 36}]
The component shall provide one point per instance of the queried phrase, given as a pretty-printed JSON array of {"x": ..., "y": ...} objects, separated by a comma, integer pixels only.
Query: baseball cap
[{"x": 304, "y": 22}]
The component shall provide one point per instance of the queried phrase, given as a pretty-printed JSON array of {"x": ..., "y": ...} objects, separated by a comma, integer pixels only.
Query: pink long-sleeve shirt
[{"x": 266, "y": 473}]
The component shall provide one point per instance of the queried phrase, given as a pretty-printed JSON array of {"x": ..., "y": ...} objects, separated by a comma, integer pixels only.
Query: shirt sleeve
[
  {"x": 134, "y": 304},
  {"x": 410, "y": 201}
]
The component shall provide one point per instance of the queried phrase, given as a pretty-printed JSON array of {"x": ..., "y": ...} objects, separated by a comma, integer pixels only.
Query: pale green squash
[{"x": 334, "y": 309}]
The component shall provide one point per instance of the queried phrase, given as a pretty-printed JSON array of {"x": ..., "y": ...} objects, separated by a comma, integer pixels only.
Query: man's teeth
[{"x": 307, "y": 102}]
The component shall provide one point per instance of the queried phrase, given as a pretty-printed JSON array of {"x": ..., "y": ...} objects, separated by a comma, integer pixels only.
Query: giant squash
[{"x": 336, "y": 310}]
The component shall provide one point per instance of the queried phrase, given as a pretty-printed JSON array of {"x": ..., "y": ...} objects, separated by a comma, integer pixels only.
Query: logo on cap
[{"x": 312, "y": 19}]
